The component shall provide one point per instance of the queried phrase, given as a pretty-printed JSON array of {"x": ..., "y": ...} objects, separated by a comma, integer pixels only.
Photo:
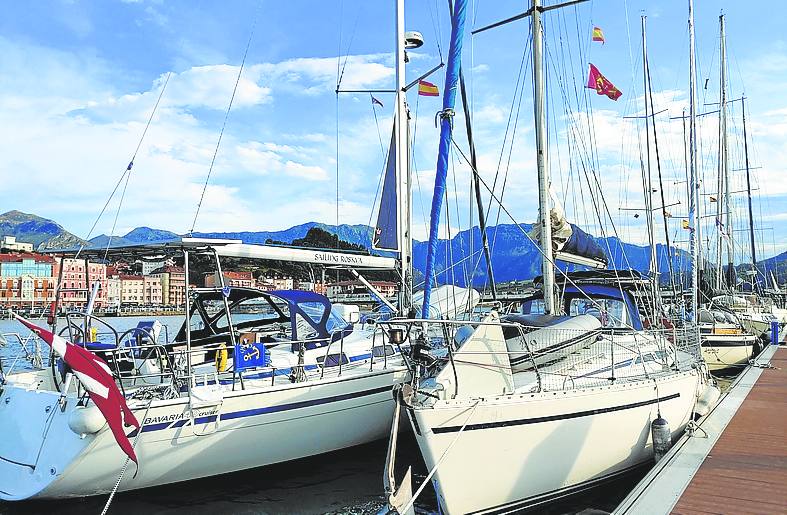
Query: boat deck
[{"x": 741, "y": 465}]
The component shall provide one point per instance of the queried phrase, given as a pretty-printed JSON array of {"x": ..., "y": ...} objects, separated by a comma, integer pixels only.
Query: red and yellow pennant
[
  {"x": 427, "y": 89},
  {"x": 598, "y": 35}
]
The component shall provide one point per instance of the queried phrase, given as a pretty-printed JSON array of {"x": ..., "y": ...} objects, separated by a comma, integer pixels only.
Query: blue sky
[{"x": 78, "y": 80}]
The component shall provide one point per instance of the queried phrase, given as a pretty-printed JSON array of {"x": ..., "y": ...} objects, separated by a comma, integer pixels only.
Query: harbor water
[{"x": 343, "y": 482}]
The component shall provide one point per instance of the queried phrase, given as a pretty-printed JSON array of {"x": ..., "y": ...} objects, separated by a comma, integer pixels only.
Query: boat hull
[
  {"x": 723, "y": 351},
  {"x": 527, "y": 449},
  {"x": 254, "y": 428}
]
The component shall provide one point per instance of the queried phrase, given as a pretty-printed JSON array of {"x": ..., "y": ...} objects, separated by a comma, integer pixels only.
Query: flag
[
  {"x": 427, "y": 89},
  {"x": 375, "y": 101},
  {"x": 601, "y": 84},
  {"x": 720, "y": 227},
  {"x": 598, "y": 35},
  {"x": 667, "y": 214},
  {"x": 684, "y": 224},
  {"x": 712, "y": 198},
  {"x": 95, "y": 376}
]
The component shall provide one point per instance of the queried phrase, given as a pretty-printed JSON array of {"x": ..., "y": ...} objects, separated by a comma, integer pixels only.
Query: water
[{"x": 343, "y": 482}]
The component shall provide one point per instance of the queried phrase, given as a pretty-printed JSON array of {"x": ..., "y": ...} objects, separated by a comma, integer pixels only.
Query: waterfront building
[
  {"x": 234, "y": 279},
  {"x": 132, "y": 289},
  {"x": 10, "y": 243},
  {"x": 152, "y": 294},
  {"x": 75, "y": 289},
  {"x": 173, "y": 285},
  {"x": 26, "y": 280},
  {"x": 386, "y": 288}
]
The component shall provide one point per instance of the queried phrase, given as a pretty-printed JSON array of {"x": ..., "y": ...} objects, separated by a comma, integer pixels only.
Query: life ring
[{"x": 221, "y": 358}]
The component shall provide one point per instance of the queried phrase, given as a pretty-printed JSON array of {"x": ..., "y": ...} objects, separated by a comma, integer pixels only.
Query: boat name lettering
[
  {"x": 357, "y": 260},
  {"x": 179, "y": 416}
]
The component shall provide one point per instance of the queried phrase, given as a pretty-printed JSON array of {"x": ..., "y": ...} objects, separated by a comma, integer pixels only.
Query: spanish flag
[
  {"x": 427, "y": 89},
  {"x": 684, "y": 224},
  {"x": 598, "y": 35}
]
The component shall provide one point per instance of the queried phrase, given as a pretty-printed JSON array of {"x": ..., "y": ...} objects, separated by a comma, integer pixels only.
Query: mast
[
  {"x": 694, "y": 212},
  {"x": 748, "y": 193},
  {"x": 728, "y": 225},
  {"x": 477, "y": 185},
  {"x": 402, "y": 164},
  {"x": 539, "y": 105},
  {"x": 646, "y": 175},
  {"x": 723, "y": 212}
]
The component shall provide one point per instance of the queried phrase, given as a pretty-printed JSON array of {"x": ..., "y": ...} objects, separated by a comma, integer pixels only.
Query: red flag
[
  {"x": 601, "y": 84},
  {"x": 95, "y": 376}
]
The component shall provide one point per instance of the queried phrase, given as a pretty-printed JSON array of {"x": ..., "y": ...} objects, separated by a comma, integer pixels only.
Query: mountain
[
  {"x": 358, "y": 234},
  {"x": 138, "y": 235},
  {"x": 41, "y": 232}
]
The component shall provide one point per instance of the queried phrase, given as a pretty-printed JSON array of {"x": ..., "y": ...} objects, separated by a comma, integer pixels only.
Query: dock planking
[{"x": 746, "y": 470}]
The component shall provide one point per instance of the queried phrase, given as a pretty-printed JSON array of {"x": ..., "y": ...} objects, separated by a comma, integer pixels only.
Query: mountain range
[{"x": 514, "y": 256}]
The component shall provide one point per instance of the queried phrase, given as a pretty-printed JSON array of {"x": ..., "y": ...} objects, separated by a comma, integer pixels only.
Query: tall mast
[
  {"x": 539, "y": 105},
  {"x": 403, "y": 183},
  {"x": 748, "y": 193},
  {"x": 694, "y": 211},
  {"x": 723, "y": 214},
  {"x": 646, "y": 175},
  {"x": 728, "y": 225}
]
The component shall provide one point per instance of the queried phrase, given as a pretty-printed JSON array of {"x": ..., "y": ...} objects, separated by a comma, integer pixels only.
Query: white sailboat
[
  {"x": 253, "y": 377},
  {"x": 497, "y": 438}
]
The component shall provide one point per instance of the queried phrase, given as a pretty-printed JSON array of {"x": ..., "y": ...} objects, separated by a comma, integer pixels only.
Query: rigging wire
[
  {"x": 224, "y": 123},
  {"x": 126, "y": 173}
]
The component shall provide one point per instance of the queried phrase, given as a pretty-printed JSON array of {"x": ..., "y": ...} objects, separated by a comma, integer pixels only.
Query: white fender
[{"x": 86, "y": 420}]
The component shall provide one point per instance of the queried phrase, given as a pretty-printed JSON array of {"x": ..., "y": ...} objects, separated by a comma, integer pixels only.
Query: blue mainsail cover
[
  {"x": 582, "y": 244},
  {"x": 386, "y": 230},
  {"x": 449, "y": 100}
]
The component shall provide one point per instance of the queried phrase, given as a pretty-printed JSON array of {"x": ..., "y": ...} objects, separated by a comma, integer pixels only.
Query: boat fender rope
[{"x": 125, "y": 465}]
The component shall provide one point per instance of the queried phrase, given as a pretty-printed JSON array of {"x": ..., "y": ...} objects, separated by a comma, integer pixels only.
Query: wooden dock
[{"x": 740, "y": 465}]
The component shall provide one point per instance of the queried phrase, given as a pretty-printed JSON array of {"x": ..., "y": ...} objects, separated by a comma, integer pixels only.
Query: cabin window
[
  {"x": 333, "y": 360},
  {"x": 610, "y": 312},
  {"x": 383, "y": 350}
]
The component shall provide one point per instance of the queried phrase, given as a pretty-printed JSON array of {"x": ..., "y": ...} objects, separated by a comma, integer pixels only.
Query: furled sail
[
  {"x": 446, "y": 126},
  {"x": 570, "y": 243},
  {"x": 386, "y": 230}
]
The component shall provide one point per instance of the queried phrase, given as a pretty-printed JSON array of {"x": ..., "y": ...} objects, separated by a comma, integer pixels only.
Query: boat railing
[
  {"x": 556, "y": 358},
  {"x": 27, "y": 350}
]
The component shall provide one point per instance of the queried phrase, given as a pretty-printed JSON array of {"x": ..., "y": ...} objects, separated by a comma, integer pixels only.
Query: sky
[{"x": 80, "y": 79}]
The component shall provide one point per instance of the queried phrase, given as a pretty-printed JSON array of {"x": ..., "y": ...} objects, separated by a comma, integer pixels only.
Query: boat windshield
[{"x": 612, "y": 313}]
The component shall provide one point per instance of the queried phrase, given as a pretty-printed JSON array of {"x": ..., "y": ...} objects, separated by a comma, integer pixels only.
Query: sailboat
[
  {"x": 497, "y": 438},
  {"x": 733, "y": 326},
  {"x": 252, "y": 378}
]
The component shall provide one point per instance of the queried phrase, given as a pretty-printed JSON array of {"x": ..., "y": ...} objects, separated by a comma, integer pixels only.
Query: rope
[
  {"x": 125, "y": 465},
  {"x": 439, "y": 462},
  {"x": 224, "y": 124}
]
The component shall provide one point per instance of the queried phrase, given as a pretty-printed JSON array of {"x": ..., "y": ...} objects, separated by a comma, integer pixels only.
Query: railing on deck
[{"x": 560, "y": 358}]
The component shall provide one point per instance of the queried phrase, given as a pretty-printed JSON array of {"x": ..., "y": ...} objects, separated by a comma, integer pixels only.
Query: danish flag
[{"x": 95, "y": 376}]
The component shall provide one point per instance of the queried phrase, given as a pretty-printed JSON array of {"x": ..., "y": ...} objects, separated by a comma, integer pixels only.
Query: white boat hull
[
  {"x": 41, "y": 457},
  {"x": 519, "y": 451},
  {"x": 727, "y": 351}
]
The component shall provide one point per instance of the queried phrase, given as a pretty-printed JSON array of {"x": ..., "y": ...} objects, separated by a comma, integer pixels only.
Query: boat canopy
[
  {"x": 617, "y": 302},
  {"x": 309, "y": 315}
]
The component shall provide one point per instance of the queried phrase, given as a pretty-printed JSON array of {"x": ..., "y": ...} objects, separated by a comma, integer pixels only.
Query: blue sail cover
[
  {"x": 386, "y": 230},
  {"x": 449, "y": 100},
  {"x": 582, "y": 244}
]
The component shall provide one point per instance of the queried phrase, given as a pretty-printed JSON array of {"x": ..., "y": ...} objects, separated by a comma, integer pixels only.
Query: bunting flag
[
  {"x": 95, "y": 376},
  {"x": 375, "y": 101},
  {"x": 427, "y": 89},
  {"x": 601, "y": 84},
  {"x": 684, "y": 224},
  {"x": 598, "y": 35}
]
